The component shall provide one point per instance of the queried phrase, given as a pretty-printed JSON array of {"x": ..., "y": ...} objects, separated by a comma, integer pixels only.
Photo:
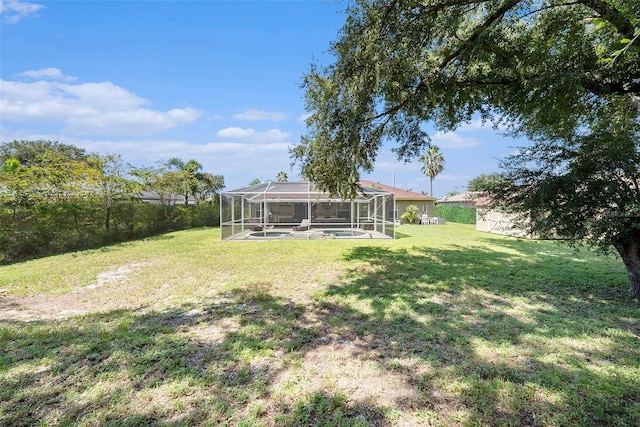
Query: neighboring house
[
  {"x": 404, "y": 198},
  {"x": 495, "y": 220},
  {"x": 159, "y": 198},
  {"x": 467, "y": 200}
]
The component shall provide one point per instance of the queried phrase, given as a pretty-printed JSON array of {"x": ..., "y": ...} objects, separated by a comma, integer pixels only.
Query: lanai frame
[{"x": 282, "y": 205}]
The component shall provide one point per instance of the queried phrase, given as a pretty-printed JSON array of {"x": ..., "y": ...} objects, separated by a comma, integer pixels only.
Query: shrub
[
  {"x": 49, "y": 228},
  {"x": 458, "y": 214},
  {"x": 411, "y": 215}
]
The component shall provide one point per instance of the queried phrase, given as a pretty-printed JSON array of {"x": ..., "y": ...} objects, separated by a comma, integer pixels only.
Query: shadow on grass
[
  {"x": 482, "y": 337},
  {"x": 400, "y": 235},
  {"x": 322, "y": 409},
  {"x": 528, "y": 335},
  {"x": 187, "y": 366}
]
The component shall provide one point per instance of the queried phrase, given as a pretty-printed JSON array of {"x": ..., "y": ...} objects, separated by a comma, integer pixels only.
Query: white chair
[{"x": 304, "y": 225}]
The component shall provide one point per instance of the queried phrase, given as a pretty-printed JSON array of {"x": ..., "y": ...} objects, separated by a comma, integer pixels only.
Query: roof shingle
[{"x": 400, "y": 193}]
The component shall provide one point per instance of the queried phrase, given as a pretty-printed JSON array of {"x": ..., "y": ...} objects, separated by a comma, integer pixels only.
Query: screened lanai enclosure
[{"x": 297, "y": 210}]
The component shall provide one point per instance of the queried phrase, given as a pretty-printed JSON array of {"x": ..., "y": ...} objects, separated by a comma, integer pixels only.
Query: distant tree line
[{"x": 56, "y": 197}]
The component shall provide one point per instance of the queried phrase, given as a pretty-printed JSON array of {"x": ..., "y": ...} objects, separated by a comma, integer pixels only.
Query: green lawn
[{"x": 443, "y": 326}]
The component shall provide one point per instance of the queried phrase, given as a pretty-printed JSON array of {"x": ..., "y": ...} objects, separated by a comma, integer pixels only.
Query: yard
[{"x": 442, "y": 326}]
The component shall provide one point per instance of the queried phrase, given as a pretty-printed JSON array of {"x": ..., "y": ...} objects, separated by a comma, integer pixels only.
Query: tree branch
[
  {"x": 491, "y": 19},
  {"x": 602, "y": 87},
  {"x": 611, "y": 14},
  {"x": 551, "y": 6}
]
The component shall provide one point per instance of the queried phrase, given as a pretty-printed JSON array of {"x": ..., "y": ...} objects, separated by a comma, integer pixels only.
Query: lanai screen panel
[
  {"x": 272, "y": 206},
  {"x": 380, "y": 208}
]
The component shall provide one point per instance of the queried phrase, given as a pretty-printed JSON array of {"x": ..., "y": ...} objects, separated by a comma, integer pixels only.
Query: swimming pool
[
  {"x": 311, "y": 234},
  {"x": 346, "y": 233},
  {"x": 269, "y": 234}
]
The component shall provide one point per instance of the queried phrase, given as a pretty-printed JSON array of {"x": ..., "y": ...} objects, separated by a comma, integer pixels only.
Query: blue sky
[{"x": 216, "y": 81}]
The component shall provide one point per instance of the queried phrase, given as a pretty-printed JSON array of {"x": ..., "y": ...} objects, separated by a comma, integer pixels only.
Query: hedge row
[
  {"x": 69, "y": 226},
  {"x": 458, "y": 214}
]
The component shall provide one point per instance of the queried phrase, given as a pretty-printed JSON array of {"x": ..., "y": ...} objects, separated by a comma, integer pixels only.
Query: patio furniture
[
  {"x": 304, "y": 225},
  {"x": 368, "y": 225},
  {"x": 426, "y": 219},
  {"x": 254, "y": 225}
]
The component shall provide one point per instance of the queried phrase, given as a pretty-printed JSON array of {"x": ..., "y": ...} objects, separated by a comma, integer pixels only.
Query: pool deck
[{"x": 312, "y": 234}]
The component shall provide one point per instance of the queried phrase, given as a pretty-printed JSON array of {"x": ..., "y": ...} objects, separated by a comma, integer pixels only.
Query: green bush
[
  {"x": 49, "y": 228},
  {"x": 208, "y": 215},
  {"x": 411, "y": 215},
  {"x": 458, "y": 214}
]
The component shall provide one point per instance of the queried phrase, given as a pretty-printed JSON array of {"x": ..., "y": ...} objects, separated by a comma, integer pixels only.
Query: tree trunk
[
  {"x": 635, "y": 283},
  {"x": 107, "y": 220},
  {"x": 630, "y": 254}
]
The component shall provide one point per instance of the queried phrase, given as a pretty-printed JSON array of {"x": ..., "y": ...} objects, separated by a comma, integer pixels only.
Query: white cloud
[
  {"x": 105, "y": 118},
  {"x": 257, "y": 115},
  {"x": 12, "y": 11},
  {"x": 454, "y": 140},
  {"x": 224, "y": 155},
  {"x": 132, "y": 122},
  {"x": 238, "y": 162},
  {"x": 271, "y": 135},
  {"x": 47, "y": 73},
  {"x": 251, "y": 135},
  {"x": 235, "y": 133},
  {"x": 240, "y": 149},
  {"x": 88, "y": 108}
]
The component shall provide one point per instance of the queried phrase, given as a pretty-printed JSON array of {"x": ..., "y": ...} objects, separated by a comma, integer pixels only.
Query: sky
[{"x": 214, "y": 81}]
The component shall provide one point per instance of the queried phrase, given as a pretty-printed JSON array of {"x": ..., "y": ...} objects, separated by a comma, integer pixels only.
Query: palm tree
[
  {"x": 208, "y": 185},
  {"x": 432, "y": 163},
  {"x": 282, "y": 177},
  {"x": 188, "y": 174}
]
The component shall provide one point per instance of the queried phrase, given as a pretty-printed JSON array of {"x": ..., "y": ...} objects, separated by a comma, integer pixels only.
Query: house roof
[
  {"x": 301, "y": 190},
  {"x": 483, "y": 201},
  {"x": 151, "y": 196},
  {"x": 469, "y": 196},
  {"x": 400, "y": 193},
  {"x": 156, "y": 195}
]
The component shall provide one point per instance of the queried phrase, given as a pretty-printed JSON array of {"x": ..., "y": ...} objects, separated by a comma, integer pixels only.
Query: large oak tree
[{"x": 564, "y": 74}]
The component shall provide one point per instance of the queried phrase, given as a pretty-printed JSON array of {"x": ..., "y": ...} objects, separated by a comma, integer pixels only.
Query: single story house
[
  {"x": 492, "y": 219},
  {"x": 466, "y": 200},
  {"x": 403, "y": 199},
  {"x": 166, "y": 199},
  {"x": 300, "y": 210}
]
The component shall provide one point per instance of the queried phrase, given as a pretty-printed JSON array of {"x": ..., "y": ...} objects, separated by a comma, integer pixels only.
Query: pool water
[
  {"x": 345, "y": 233},
  {"x": 335, "y": 233},
  {"x": 270, "y": 234}
]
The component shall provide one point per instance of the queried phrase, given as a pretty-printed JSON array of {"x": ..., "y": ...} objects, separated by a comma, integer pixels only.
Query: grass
[{"x": 444, "y": 326}]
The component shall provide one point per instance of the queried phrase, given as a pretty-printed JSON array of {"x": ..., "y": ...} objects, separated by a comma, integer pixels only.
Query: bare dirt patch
[
  {"x": 91, "y": 298},
  {"x": 118, "y": 274}
]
